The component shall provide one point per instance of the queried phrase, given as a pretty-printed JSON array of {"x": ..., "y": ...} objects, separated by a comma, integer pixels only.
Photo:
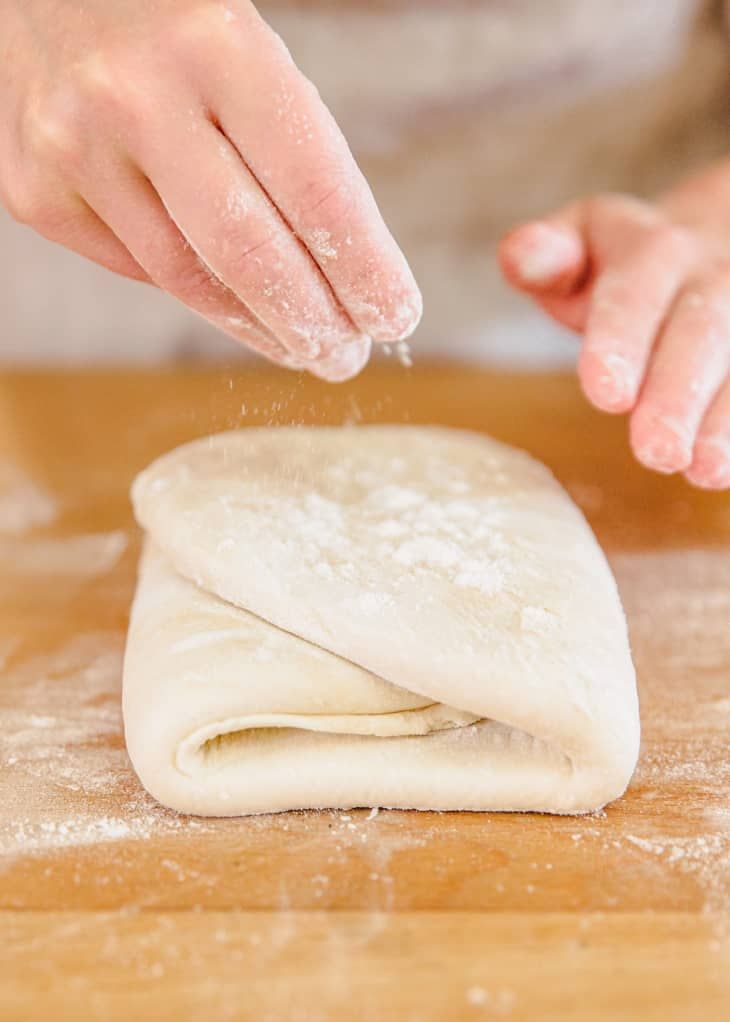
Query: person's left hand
[{"x": 649, "y": 288}]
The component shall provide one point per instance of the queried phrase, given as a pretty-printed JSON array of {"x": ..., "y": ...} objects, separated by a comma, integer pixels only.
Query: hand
[
  {"x": 649, "y": 288},
  {"x": 177, "y": 143}
]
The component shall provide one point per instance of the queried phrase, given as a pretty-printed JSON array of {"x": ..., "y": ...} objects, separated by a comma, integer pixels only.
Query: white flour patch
[
  {"x": 24, "y": 503},
  {"x": 432, "y": 525},
  {"x": 704, "y": 857},
  {"x": 62, "y": 756},
  {"x": 497, "y": 1002},
  {"x": 85, "y": 555},
  {"x": 320, "y": 243},
  {"x": 375, "y": 603},
  {"x": 487, "y": 578},
  {"x": 537, "y": 619},
  {"x": 237, "y": 204}
]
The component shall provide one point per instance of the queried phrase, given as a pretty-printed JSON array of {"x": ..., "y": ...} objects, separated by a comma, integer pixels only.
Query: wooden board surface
[{"x": 112, "y": 907}]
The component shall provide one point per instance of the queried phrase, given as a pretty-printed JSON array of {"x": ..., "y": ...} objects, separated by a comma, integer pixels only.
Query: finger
[
  {"x": 550, "y": 260},
  {"x": 135, "y": 214},
  {"x": 546, "y": 257},
  {"x": 710, "y": 466},
  {"x": 344, "y": 363},
  {"x": 239, "y": 234},
  {"x": 629, "y": 301},
  {"x": 306, "y": 167},
  {"x": 77, "y": 227},
  {"x": 691, "y": 361},
  {"x": 571, "y": 312}
]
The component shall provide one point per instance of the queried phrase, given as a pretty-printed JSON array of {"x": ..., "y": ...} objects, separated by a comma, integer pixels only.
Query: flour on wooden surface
[
  {"x": 24, "y": 503},
  {"x": 81, "y": 555},
  {"x": 63, "y": 765},
  {"x": 66, "y": 782}
]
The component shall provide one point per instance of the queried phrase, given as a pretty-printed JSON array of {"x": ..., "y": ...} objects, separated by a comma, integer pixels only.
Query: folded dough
[{"x": 397, "y": 616}]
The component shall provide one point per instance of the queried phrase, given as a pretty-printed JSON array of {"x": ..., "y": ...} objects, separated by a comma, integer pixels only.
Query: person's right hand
[
  {"x": 177, "y": 143},
  {"x": 648, "y": 286}
]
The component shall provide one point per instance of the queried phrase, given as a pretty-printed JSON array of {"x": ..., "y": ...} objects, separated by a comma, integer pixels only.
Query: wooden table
[{"x": 113, "y": 908}]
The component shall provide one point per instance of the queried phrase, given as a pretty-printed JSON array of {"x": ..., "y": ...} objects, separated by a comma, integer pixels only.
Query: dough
[{"x": 397, "y": 616}]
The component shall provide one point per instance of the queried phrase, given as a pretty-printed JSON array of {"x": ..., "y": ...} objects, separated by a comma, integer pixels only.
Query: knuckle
[
  {"x": 52, "y": 128},
  {"x": 717, "y": 282},
  {"x": 22, "y": 204},
  {"x": 253, "y": 257},
  {"x": 56, "y": 125},
  {"x": 670, "y": 239},
  {"x": 103, "y": 91},
  {"x": 111, "y": 87},
  {"x": 194, "y": 282},
  {"x": 707, "y": 298},
  {"x": 98, "y": 80},
  {"x": 258, "y": 248},
  {"x": 329, "y": 197},
  {"x": 207, "y": 24},
  {"x": 620, "y": 206}
]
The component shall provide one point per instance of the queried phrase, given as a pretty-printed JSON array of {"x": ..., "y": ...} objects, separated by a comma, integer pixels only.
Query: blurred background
[{"x": 466, "y": 116}]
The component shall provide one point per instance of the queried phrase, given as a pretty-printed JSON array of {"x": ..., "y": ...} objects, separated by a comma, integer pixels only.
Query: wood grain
[{"x": 111, "y": 906}]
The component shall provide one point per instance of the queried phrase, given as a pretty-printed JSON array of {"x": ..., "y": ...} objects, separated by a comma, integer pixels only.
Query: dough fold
[{"x": 409, "y": 617}]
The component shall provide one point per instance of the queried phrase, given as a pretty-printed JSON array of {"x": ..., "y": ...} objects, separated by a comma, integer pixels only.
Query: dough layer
[{"x": 383, "y": 616}]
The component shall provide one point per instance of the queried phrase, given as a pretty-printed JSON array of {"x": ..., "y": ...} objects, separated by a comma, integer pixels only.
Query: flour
[
  {"x": 237, "y": 203},
  {"x": 24, "y": 503},
  {"x": 321, "y": 245},
  {"x": 487, "y": 578},
  {"x": 705, "y": 857},
  {"x": 499, "y": 1002},
  {"x": 392, "y": 497},
  {"x": 426, "y": 535},
  {"x": 447, "y": 531},
  {"x": 537, "y": 619},
  {"x": 375, "y": 603},
  {"x": 62, "y": 756},
  {"x": 403, "y": 351},
  {"x": 428, "y": 550},
  {"x": 79, "y": 555}
]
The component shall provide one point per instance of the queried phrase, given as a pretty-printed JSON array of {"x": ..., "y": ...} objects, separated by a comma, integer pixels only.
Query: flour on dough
[{"x": 412, "y": 617}]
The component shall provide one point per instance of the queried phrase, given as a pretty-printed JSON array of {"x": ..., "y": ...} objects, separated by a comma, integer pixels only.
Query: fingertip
[
  {"x": 344, "y": 363},
  {"x": 388, "y": 320},
  {"x": 710, "y": 468},
  {"x": 541, "y": 255},
  {"x": 407, "y": 315},
  {"x": 609, "y": 381},
  {"x": 660, "y": 444}
]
